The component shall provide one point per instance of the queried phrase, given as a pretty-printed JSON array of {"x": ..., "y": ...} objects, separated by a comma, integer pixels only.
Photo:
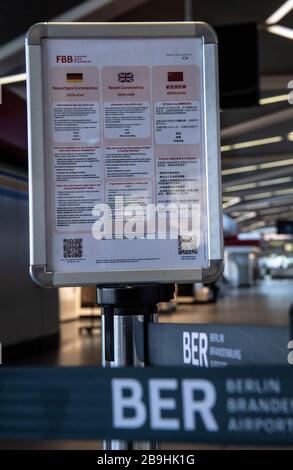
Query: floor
[{"x": 266, "y": 303}]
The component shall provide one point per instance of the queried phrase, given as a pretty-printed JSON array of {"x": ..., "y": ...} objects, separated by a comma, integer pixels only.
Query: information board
[{"x": 124, "y": 153}]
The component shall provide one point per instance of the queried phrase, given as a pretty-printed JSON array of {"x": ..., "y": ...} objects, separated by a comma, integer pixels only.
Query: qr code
[
  {"x": 72, "y": 248},
  {"x": 187, "y": 245}
]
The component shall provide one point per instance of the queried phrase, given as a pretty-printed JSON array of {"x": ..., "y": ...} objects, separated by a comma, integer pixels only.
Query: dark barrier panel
[
  {"x": 234, "y": 405},
  {"x": 214, "y": 345}
]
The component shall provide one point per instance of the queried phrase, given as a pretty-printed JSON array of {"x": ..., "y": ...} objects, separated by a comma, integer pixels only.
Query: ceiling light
[
  {"x": 251, "y": 197},
  {"x": 251, "y": 227},
  {"x": 281, "y": 31},
  {"x": 240, "y": 187},
  {"x": 276, "y": 236},
  {"x": 251, "y": 143},
  {"x": 246, "y": 216},
  {"x": 283, "y": 191},
  {"x": 259, "y": 205},
  {"x": 264, "y": 166},
  {"x": 273, "y": 99},
  {"x": 261, "y": 166},
  {"x": 9, "y": 79},
  {"x": 254, "y": 143},
  {"x": 232, "y": 202},
  {"x": 282, "y": 11},
  {"x": 287, "y": 179},
  {"x": 235, "y": 214},
  {"x": 277, "y": 210},
  {"x": 288, "y": 247},
  {"x": 241, "y": 169},
  {"x": 226, "y": 148},
  {"x": 290, "y": 136}
]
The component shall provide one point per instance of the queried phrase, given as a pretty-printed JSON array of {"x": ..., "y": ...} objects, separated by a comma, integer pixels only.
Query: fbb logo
[{"x": 64, "y": 58}]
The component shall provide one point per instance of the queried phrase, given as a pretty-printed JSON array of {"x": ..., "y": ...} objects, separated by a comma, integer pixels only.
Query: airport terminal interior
[{"x": 62, "y": 327}]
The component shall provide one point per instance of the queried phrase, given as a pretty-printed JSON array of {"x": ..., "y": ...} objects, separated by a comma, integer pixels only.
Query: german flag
[{"x": 74, "y": 77}]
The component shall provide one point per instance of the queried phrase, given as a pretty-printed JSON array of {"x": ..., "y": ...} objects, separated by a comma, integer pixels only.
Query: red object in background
[
  {"x": 13, "y": 127},
  {"x": 234, "y": 241},
  {"x": 175, "y": 76}
]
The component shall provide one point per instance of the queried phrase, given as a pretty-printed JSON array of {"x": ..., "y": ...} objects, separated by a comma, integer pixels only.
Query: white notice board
[{"x": 124, "y": 153}]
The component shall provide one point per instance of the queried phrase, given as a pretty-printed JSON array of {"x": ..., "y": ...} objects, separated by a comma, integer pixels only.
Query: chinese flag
[{"x": 175, "y": 76}]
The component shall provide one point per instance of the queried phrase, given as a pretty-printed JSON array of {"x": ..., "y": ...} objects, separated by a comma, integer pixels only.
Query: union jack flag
[{"x": 125, "y": 77}]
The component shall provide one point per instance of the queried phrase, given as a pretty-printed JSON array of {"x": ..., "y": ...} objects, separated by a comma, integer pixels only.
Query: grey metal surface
[
  {"x": 130, "y": 277},
  {"x": 35, "y": 113},
  {"x": 39, "y": 31},
  {"x": 188, "y": 10},
  {"x": 213, "y": 272},
  {"x": 212, "y": 152},
  {"x": 125, "y": 355},
  {"x": 40, "y": 276}
]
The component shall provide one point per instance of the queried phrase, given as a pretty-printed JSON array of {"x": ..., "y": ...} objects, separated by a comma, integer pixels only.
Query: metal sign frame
[{"x": 36, "y": 136}]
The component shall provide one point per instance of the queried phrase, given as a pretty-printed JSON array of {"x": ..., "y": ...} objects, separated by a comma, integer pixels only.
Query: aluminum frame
[{"x": 36, "y": 126}]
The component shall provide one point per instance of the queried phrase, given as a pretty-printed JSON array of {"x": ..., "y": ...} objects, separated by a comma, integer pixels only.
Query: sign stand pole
[
  {"x": 291, "y": 321},
  {"x": 123, "y": 306}
]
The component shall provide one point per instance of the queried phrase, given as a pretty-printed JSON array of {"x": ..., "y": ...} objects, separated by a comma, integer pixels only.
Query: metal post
[
  {"x": 188, "y": 10},
  {"x": 122, "y": 308},
  {"x": 291, "y": 321}
]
